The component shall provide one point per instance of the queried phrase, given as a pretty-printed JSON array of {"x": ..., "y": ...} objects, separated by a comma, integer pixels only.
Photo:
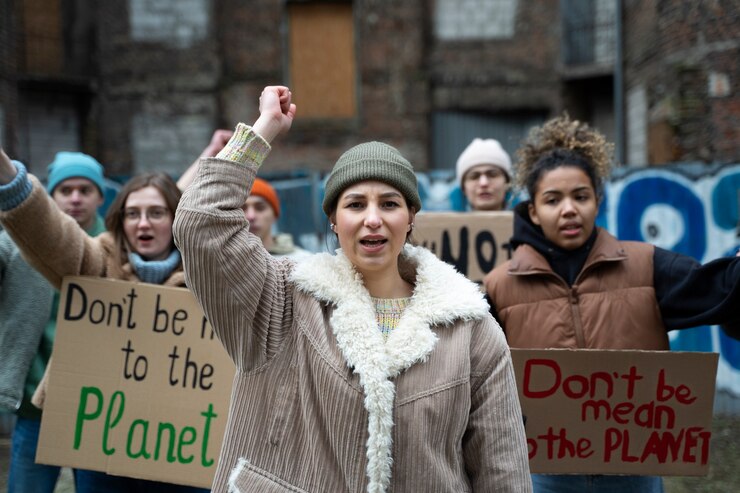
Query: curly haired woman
[{"x": 571, "y": 284}]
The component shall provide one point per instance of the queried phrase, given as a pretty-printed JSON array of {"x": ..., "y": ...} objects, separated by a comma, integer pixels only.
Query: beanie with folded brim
[
  {"x": 372, "y": 161},
  {"x": 68, "y": 165},
  {"x": 483, "y": 151},
  {"x": 263, "y": 189}
]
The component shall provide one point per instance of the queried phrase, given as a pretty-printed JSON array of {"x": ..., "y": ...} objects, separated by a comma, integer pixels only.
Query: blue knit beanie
[{"x": 75, "y": 165}]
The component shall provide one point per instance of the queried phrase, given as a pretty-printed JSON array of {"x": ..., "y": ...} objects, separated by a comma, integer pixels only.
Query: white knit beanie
[{"x": 483, "y": 151}]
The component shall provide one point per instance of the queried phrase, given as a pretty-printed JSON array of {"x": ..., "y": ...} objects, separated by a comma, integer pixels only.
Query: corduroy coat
[{"x": 321, "y": 402}]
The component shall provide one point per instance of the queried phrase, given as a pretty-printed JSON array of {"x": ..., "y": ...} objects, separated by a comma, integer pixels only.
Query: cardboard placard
[
  {"x": 473, "y": 242},
  {"x": 617, "y": 412},
  {"x": 139, "y": 385}
]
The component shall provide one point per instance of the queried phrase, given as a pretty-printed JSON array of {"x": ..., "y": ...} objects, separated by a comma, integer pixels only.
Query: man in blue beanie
[
  {"x": 76, "y": 183},
  {"x": 28, "y": 309}
]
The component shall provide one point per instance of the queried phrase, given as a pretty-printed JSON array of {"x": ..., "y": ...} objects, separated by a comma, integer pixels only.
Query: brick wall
[
  {"x": 8, "y": 90},
  {"x": 159, "y": 72},
  {"x": 677, "y": 49},
  {"x": 170, "y": 72},
  {"x": 501, "y": 74}
]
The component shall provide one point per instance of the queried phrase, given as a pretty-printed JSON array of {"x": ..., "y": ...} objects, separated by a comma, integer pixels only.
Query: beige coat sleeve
[
  {"x": 50, "y": 240},
  {"x": 243, "y": 290}
]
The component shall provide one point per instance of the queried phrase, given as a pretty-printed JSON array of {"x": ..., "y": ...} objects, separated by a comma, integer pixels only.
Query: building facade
[{"x": 142, "y": 84}]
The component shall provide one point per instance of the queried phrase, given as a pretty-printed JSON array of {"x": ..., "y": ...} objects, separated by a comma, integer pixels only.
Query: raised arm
[
  {"x": 277, "y": 112},
  {"x": 7, "y": 170},
  {"x": 243, "y": 291}
]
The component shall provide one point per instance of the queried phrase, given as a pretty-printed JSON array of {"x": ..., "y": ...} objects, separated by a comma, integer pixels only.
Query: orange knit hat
[{"x": 263, "y": 189}]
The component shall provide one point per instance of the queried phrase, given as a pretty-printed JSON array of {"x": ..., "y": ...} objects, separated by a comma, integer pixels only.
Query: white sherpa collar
[{"x": 441, "y": 296}]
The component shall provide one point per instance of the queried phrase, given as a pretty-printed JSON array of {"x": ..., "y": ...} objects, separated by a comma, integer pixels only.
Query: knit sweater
[
  {"x": 321, "y": 402},
  {"x": 25, "y": 305}
]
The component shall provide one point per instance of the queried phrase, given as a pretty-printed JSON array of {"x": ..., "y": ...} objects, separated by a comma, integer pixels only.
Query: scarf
[{"x": 154, "y": 271}]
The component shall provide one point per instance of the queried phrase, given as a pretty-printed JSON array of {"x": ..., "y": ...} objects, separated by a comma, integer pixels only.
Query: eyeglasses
[
  {"x": 489, "y": 173},
  {"x": 153, "y": 214}
]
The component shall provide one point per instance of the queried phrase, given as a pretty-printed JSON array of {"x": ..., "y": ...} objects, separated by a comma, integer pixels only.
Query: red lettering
[
  {"x": 612, "y": 440},
  {"x": 632, "y": 377},
  {"x": 584, "y": 448},
  {"x": 615, "y": 439},
  {"x": 666, "y": 446},
  {"x": 648, "y": 415},
  {"x": 683, "y": 395},
  {"x": 596, "y": 406},
  {"x": 560, "y": 446},
  {"x": 626, "y": 457},
  {"x": 578, "y": 380},
  {"x": 606, "y": 378},
  {"x": 691, "y": 442},
  {"x": 651, "y": 416},
  {"x": 705, "y": 438},
  {"x": 661, "y": 444},
  {"x": 622, "y": 409},
  {"x": 665, "y": 391},
  {"x": 532, "y": 446},
  {"x": 528, "y": 370}
]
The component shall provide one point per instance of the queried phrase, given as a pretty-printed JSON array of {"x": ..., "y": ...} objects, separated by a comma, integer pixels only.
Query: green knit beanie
[{"x": 372, "y": 161}]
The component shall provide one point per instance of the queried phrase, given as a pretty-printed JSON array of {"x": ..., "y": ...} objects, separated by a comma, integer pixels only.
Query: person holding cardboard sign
[
  {"x": 571, "y": 284},
  {"x": 375, "y": 369},
  {"x": 137, "y": 246}
]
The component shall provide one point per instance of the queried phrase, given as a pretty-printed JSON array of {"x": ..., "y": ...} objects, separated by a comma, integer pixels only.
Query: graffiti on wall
[{"x": 694, "y": 214}]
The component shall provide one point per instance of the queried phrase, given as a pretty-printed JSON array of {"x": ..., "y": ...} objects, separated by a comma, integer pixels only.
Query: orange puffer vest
[{"x": 611, "y": 305}]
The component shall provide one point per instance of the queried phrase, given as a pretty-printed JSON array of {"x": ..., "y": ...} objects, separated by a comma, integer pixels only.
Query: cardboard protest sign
[
  {"x": 473, "y": 242},
  {"x": 617, "y": 412},
  {"x": 139, "y": 385}
]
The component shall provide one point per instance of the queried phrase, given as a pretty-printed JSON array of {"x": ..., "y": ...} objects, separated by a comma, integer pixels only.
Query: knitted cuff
[
  {"x": 245, "y": 147},
  {"x": 15, "y": 192}
]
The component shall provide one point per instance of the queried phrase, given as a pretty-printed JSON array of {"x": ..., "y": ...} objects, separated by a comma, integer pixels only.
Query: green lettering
[
  {"x": 206, "y": 434},
  {"x": 171, "y": 447},
  {"x": 108, "y": 425},
  {"x": 83, "y": 415},
  {"x": 142, "y": 451},
  {"x": 183, "y": 441}
]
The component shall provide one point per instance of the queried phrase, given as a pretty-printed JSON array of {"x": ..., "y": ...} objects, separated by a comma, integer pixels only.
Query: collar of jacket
[
  {"x": 441, "y": 296},
  {"x": 527, "y": 260},
  {"x": 282, "y": 244}
]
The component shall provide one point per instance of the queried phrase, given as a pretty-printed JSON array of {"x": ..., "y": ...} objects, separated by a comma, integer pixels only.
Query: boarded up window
[
  {"x": 43, "y": 41},
  {"x": 322, "y": 59}
]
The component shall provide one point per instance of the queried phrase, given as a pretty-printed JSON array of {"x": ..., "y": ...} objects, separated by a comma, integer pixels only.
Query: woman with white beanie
[{"x": 484, "y": 172}]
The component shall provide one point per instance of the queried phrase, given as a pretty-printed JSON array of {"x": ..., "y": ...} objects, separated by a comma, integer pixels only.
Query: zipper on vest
[{"x": 576, "y": 314}]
